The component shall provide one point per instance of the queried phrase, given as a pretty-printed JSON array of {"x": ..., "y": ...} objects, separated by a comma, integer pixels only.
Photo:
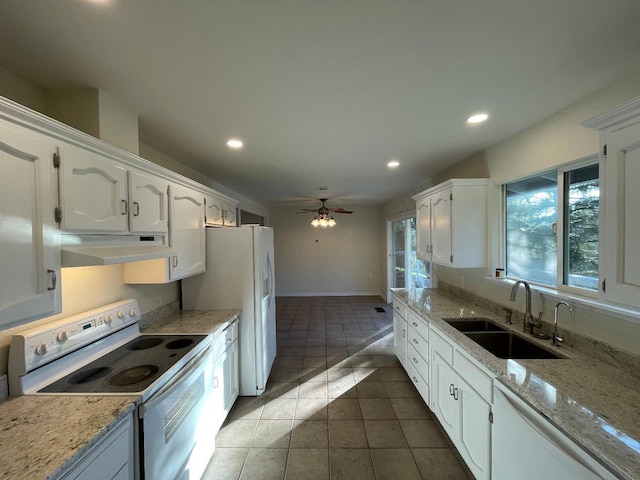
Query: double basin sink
[{"x": 498, "y": 341}]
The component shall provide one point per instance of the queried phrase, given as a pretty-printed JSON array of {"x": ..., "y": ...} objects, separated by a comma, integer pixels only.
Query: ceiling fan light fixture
[{"x": 315, "y": 222}]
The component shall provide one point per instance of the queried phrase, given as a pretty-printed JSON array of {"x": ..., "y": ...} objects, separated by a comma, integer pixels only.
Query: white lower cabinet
[
  {"x": 226, "y": 381},
  {"x": 527, "y": 446},
  {"x": 111, "y": 459},
  {"x": 462, "y": 411},
  {"x": 400, "y": 331}
]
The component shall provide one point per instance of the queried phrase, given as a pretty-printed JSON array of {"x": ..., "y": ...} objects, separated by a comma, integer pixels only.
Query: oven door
[{"x": 176, "y": 424}]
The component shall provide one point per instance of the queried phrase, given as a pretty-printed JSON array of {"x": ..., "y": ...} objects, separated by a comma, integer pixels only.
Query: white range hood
[{"x": 93, "y": 250}]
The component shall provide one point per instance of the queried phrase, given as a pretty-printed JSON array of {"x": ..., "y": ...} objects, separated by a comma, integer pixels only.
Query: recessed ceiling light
[
  {"x": 393, "y": 164},
  {"x": 477, "y": 118},
  {"x": 234, "y": 143}
]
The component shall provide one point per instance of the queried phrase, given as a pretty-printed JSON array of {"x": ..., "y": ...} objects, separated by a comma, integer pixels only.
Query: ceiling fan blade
[
  {"x": 308, "y": 210},
  {"x": 340, "y": 210}
]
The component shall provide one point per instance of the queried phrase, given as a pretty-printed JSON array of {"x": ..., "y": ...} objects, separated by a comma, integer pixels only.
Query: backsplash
[
  {"x": 586, "y": 345},
  {"x": 158, "y": 314}
]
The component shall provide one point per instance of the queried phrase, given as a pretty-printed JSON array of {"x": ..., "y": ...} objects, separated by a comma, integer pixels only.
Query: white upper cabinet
[
  {"x": 220, "y": 212},
  {"x": 187, "y": 234},
  {"x": 30, "y": 253},
  {"x": 93, "y": 192},
  {"x": 148, "y": 203},
  {"x": 452, "y": 223},
  {"x": 620, "y": 225},
  {"x": 98, "y": 194}
]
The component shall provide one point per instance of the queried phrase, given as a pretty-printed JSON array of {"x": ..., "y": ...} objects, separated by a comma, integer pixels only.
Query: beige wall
[
  {"x": 342, "y": 260},
  {"x": 553, "y": 142}
]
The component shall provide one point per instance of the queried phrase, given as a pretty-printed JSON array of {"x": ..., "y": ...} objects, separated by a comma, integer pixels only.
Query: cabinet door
[
  {"x": 423, "y": 232},
  {"x": 229, "y": 212},
  {"x": 92, "y": 192},
  {"x": 444, "y": 406},
  {"x": 30, "y": 253},
  {"x": 475, "y": 430},
  {"x": 400, "y": 338},
  {"x": 186, "y": 233},
  {"x": 214, "y": 211},
  {"x": 148, "y": 204},
  {"x": 441, "y": 227},
  {"x": 621, "y": 263}
]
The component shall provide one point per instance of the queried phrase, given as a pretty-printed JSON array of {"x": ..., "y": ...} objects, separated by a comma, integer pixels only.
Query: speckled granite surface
[
  {"x": 191, "y": 322},
  {"x": 594, "y": 402},
  {"x": 41, "y": 437}
]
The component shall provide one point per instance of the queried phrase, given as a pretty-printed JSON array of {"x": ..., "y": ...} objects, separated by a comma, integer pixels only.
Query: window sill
[{"x": 587, "y": 303}]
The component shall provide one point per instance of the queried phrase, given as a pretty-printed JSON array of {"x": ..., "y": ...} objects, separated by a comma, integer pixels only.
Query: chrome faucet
[
  {"x": 528, "y": 317},
  {"x": 557, "y": 339}
]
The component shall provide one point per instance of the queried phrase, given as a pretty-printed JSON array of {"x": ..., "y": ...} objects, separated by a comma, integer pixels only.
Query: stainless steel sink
[
  {"x": 509, "y": 345},
  {"x": 474, "y": 324}
]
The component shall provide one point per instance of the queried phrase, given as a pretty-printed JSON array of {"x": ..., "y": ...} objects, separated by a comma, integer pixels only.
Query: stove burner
[
  {"x": 144, "y": 343},
  {"x": 181, "y": 343},
  {"x": 90, "y": 375},
  {"x": 133, "y": 375}
]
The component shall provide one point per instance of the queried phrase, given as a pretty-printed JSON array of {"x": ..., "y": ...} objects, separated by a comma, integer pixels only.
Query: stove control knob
[
  {"x": 120, "y": 313},
  {"x": 108, "y": 318},
  {"x": 41, "y": 349},
  {"x": 62, "y": 336},
  {"x": 132, "y": 312}
]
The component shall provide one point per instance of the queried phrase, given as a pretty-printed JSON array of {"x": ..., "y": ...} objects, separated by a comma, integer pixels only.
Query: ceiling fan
[{"x": 323, "y": 217}]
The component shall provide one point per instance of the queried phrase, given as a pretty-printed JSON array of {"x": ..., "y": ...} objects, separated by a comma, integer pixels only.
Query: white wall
[
  {"x": 553, "y": 142},
  {"x": 343, "y": 260}
]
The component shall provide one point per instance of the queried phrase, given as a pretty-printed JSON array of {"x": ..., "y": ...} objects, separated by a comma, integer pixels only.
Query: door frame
[{"x": 390, "y": 270}]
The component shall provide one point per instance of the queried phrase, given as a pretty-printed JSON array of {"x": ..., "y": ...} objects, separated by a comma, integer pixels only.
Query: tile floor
[{"x": 338, "y": 404}]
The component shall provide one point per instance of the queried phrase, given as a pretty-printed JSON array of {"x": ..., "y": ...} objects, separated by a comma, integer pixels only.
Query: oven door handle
[{"x": 175, "y": 383}]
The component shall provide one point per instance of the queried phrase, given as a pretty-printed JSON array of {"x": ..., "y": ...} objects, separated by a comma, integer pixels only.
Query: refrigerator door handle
[{"x": 270, "y": 269}]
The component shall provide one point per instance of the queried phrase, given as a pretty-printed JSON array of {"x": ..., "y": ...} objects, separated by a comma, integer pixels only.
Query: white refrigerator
[{"x": 240, "y": 275}]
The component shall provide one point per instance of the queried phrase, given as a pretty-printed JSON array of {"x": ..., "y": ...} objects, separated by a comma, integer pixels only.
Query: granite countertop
[
  {"x": 593, "y": 402},
  {"x": 193, "y": 322},
  {"x": 43, "y": 436}
]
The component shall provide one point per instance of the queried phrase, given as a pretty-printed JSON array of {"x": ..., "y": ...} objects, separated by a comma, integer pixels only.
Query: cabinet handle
[
  {"x": 137, "y": 209},
  {"x": 125, "y": 207},
  {"x": 415, "y": 379},
  {"x": 175, "y": 262},
  {"x": 414, "y": 324},
  {"x": 54, "y": 279},
  {"x": 404, "y": 334},
  {"x": 455, "y": 393},
  {"x": 451, "y": 389},
  {"x": 216, "y": 382},
  {"x": 415, "y": 341},
  {"x": 415, "y": 360}
]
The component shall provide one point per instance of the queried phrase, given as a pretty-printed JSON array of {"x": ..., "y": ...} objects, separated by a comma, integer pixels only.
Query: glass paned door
[{"x": 406, "y": 270}]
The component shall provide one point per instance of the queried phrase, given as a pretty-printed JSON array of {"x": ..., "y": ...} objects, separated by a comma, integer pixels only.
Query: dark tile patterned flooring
[{"x": 338, "y": 404}]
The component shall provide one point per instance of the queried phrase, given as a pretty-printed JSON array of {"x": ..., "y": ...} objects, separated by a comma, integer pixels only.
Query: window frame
[{"x": 560, "y": 170}]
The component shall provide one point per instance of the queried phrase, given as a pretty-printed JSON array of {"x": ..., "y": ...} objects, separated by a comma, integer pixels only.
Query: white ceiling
[{"x": 325, "y": 92}]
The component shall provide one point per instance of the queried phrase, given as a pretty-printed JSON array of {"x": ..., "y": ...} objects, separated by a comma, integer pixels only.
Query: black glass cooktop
[{"x": 130, "y": 368}]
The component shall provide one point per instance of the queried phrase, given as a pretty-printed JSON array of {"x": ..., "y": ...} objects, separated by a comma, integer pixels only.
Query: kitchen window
[{"x": 552, "y": 227}]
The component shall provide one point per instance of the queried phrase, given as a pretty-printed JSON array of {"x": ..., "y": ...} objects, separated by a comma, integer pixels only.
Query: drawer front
[
  {"x": 417, "y": 342},
  {"x": 419, "y": 362},
  {"x": 224, "y": 339},
  {"x": 442, "y": 346},
  {"x": 419, "y": 324},
  {"x": 474, "y": 376},
  {"x": 399, "y": 307},
  {"x": 421, "y": 385}
]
